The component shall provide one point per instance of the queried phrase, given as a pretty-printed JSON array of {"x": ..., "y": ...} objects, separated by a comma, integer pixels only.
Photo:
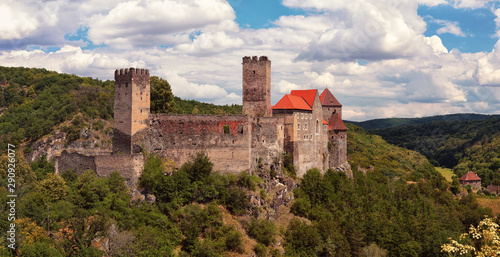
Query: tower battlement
[
  {"x": 248, "y": 59},
  {"x": 123, "y": 76}
]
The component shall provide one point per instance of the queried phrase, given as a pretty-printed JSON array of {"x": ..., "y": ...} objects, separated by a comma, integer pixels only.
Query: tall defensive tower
[
  {"x": 131, "y": 107},
  {"x": 257, "y": 86}
]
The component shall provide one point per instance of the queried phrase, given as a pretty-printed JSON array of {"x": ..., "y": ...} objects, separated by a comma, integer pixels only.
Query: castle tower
[
  {"x": 257, "y": 86},
  {"x": 131, "y": 107}
]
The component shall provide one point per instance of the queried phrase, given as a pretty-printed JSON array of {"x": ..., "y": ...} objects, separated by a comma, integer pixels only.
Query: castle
[{"x": 305, "y": 124}]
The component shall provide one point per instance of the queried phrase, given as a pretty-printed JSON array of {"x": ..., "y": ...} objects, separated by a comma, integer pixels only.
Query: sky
[{"x": 380, "y": 58}]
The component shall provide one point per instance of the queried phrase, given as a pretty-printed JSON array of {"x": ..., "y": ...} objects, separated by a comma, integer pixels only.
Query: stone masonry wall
[
  {"x": 225, "y": 139},
  {"x": 129, "y": 166},
  {"x": 75, "y": 162},
  {"x": 338, "y": 147},
  {"x": 267, "y": 142}
]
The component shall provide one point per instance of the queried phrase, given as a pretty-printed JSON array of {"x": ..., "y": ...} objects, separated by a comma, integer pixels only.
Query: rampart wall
[
  {"x": 129, "y": 166},
  {"x": 225, "y": 139}
]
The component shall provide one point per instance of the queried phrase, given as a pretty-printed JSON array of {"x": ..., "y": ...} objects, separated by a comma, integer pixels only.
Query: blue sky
[{"x": 381, "y": 58}]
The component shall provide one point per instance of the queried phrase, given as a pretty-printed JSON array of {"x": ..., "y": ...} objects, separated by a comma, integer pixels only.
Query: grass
[
  {"x": 494, "y": 204},
  {"x": 447, "y": 173}
]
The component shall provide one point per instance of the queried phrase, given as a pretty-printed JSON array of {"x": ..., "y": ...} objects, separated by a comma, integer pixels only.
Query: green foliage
[
  {"x": 288, "y": 167},
  {"x": 446, "y": 142},
  {"x": 39, "y": 249},
  {"x": 195, "y": 107},
  {"x": 162, "y": 98},
  {"x": 260, "y": 250},
  {"x": 367, "y": 151},
  {"x": 347, "y": 215},
  {"x": 396, "y": 122},
  {"x": 37, "y": 100},
  {"x": 42, "y": 167},
  {"x": 264, "y": 231}
]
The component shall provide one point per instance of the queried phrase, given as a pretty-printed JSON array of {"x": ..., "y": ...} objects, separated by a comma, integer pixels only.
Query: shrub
[{"x": 263, "y": 231}]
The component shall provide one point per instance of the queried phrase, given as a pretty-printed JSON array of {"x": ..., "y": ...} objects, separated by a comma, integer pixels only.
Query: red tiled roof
[
  {"x": 325, "y": 122},
  {"x": 292, "y": 102},
  {"x": 470, "y": 176},
  {"x": 308, "y": 95},
  {"x": 327, "y": 99},
  {"x": 336, "y": 122}
]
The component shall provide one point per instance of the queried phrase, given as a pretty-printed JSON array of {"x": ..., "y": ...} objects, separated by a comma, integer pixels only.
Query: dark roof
[
  {"x": 470, "y": 176},
  {"x": 336, "y": 123},
  {"x": 291, "y": 102},
  {"x": 327, "y": 99}
]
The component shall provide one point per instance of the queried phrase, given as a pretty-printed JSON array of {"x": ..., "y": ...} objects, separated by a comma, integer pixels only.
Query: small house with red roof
[{"x": 470, "y": 178}]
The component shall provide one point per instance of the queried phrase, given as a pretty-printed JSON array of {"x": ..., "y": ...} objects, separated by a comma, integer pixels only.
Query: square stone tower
[
  {"x": 131, "y": 107},
  {"x": 257, "y": 86}
]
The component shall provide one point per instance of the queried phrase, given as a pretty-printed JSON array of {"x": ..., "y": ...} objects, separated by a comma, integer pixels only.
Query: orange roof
[
  {"x": 327, "y": 99},
  {"x": 292, "y": 102},
  {"x": 336, "y": 122},
  {"x": 470, "y": 176},
  {"x": 325, "y": 122},
  {"x": 308, "y": 95}
]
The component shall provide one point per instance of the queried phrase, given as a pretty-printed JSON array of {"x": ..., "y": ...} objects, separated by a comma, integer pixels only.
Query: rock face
[
  {"x": 278, "y": 196},
  {"x": 54, "y": 144}
]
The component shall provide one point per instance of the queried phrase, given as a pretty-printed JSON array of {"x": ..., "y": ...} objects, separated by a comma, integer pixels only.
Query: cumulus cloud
[
  {"x": 369, "y": 30},
  {"x": 473, "y": 4},
  {"x": 181, "y": 87},
  {"x": 451, "y": 27},
  {"x": 152, "y": 22},
  {"x": 197, "y": 46}
]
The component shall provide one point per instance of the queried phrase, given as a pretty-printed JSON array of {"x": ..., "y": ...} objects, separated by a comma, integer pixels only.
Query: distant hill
[
  {"x": 463, "y": 142},
  {"x": 394, "y": 122}
]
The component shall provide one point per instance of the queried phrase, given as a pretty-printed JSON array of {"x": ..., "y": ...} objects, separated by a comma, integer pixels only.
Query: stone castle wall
[
  {"x": 225, "y": 139},
  {"x": 129, "y": 166},
  {"x": 268, "y": 136},
  {"x": 337, "y": 147}
]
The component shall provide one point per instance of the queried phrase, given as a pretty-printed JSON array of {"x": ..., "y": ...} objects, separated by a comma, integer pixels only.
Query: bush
[
  {"x": 263, "y": 231},
  {"x": 260, "y": 250}
]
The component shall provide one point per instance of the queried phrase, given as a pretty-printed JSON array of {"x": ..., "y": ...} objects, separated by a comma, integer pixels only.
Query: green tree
[{"x": 162, "y": 98}]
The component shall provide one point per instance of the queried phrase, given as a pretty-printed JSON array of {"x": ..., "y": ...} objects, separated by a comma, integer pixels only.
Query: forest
[
  {"x": 396, "y": 205},
  {"x": 468, "y": 143}
]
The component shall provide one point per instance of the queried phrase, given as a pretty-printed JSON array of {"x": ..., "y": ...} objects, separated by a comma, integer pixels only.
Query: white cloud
[
  {"x": 181, "y": 87},
  {"x": 473, "y": 4},
  {"x": 153, "y": 22},
  {"x": 451, "y": 27},
  {"x": 197, "y": 46}
]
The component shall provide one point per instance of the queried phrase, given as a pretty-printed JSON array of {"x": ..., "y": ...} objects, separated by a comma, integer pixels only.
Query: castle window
[
  {"x": 317, "y": 127},
  {"x": 298, "y": 126},
  {"x": 301, "y": 115},
  {"x": 226, "y": 129},
  {"x": 253, "y": 72},
  {"x": 305, "y": 126},
  {"x": 305, "y": 136},
  {"x": 311, "y": 138}
]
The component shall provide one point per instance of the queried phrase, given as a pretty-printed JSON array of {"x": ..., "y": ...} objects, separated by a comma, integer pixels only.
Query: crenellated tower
[
  {"x": 257, "y": 86},
  {"x": 131, "y": 107}
]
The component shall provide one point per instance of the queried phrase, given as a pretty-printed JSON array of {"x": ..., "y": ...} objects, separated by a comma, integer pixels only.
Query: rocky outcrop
[{"x": 54, "y": 144}]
